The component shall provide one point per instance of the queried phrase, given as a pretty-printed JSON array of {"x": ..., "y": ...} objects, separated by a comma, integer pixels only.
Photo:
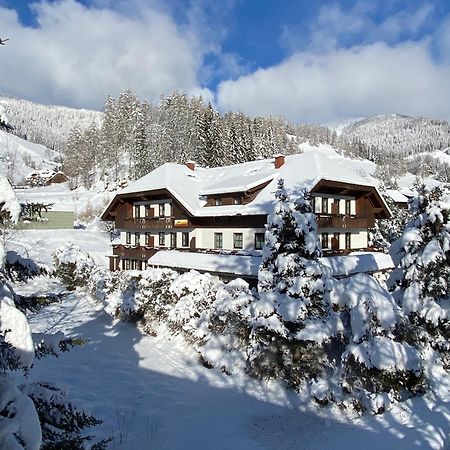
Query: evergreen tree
[
  {"x": 421, "y": 281},
  {"x": 293, "y": 287}
]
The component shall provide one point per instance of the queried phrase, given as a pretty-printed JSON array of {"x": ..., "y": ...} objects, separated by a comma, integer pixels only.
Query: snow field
[{"x": 152, "y": 392}]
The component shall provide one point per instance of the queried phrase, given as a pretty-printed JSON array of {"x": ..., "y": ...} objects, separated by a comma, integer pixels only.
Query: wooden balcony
[
  {"x": 128, "y": 252},
  {"x": 341, "y": 222},
  {"x": 148, "y": 223}
]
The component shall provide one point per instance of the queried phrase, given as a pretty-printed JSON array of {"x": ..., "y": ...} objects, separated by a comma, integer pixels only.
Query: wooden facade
[{"x": 136, "y": 214}]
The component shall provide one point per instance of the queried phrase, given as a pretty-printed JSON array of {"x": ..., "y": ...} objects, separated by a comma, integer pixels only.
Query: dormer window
[{"x": 217, "y": 201}]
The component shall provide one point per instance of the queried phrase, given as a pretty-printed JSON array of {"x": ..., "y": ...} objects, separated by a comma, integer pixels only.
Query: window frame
[
  {"x": 162, "y": 239},
  {"x": 218, "y": 241},
  {"x": 348, "y": 207},
  {"x": 237, "y": 200},
  {"x": 348, "y": 241},
  {"x": 325, "y": 239},
  {"x": 128, "y": 238},
  {"x": 260, "y": 242},
  {"x": 185, "y": 239},
  {"x": 162, "y": 210},
  {"x": 235, "y": 240},
  {"x": 137, "y": 211},
  {"x": 173, "y": 240},
  {"x": 218, "y": 201},
  {"x": 137, "y": 238},
  {"x": 325, "y": 209}
]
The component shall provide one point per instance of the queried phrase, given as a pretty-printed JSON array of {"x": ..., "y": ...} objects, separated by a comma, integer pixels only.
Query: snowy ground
[
  {"x": 153, "y": 393},
  {"x": 39, "y": 245},
  {"x": 65, "y": 199}
]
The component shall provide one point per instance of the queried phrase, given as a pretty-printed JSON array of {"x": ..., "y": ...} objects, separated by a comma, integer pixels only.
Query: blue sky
[{"x": 310, "y": 61}]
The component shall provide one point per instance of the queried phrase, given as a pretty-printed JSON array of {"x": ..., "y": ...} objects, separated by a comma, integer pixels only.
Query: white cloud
[
  {"x": 347, "y": 82},
  {"x": 77, "y": 55}
]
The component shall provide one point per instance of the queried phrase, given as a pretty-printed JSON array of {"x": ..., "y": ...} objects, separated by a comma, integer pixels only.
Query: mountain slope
[
  {"x": 46, "y": 125},
  {"x": 397, "y": 135},
  {"x": 19, "y": 157}
]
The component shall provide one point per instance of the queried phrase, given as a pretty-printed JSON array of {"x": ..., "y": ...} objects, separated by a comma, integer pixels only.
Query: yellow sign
[{"x": 181, "y": 223}]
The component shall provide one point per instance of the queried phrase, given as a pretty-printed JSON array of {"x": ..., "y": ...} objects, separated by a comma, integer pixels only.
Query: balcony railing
[
  {"x": 148, "y": 223},
  {"x": 138, "y": 252},
  {"x": 341, "y": 222}
]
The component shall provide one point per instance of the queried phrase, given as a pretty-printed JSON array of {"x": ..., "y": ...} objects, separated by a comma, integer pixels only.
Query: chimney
[
  {"x": 190, "y": 165},
  {"x": 279, "y": 160}
]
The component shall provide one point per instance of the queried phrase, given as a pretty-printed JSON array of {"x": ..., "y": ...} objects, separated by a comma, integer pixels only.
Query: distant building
[
  {"x": 400, "y": 200},
  {"x": 46, "y": 177},
  {"x": 224, "y": 209}
]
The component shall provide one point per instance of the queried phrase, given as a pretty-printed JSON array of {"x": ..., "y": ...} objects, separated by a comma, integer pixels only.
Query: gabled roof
[
  {"x": 301, "y": 171},
  {"x": 396, "y": 196}
]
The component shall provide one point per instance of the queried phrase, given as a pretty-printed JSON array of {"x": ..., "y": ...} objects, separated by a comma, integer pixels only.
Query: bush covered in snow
[
  {"x": 72, "y": 265},
  {"x": 25, "y": 410}
]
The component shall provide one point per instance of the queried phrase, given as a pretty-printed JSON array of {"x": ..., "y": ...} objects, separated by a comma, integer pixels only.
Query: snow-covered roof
[
  {"x": 242, "y": 265},
  {"x": 301, "y": 171},
  {"x": 396, "y": 196}
]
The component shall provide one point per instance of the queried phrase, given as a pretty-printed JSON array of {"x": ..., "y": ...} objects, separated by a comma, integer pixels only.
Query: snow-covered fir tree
[
  {"x": 293, "y": 287},
  {"x": 421, "y": 280}
]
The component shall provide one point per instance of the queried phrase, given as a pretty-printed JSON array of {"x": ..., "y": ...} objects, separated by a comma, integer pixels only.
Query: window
[
  {"x": 137, "y": 238},
  {"x": 348, "y": 207},
  {"x": 128, "y": 238},
  {"x": 217, "y": 201},
  {"x": 162, "y": 209},
  {"x": 325, "y": 243},
  {"x": 259, "y": 241},
  {"x": 313, "y": 204},
  {"x": 237, "y": 240},
  {"x": 184, "y": 239},
  {"x": 137, "y": 211},
  {"x": 324, "y": 205},
  {"x": 162, "y": 238},
  {"x": 348, "y": 240},
  {"x": 337, "y": 206},
  {"x": 148, "y": 211},
  {"x": 173, "y": 240},
  {"x": 127, "y": 264},
  {"x": 148, "y": 238},
  {"x": 237, "y": 200},
  {"x": 218, "y": 240}
]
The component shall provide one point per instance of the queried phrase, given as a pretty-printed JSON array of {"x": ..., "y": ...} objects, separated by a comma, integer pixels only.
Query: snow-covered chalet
[{"x": 195, "y": 214}]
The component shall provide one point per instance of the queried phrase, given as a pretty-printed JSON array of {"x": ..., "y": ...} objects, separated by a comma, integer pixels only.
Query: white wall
[
  {"x": 358, "y": 238},
  {"x": 330, "y": 199},
  {"x": 155, "y": 206},
  {"x": 155, "y": 234},
  {"x": 205, "y": 237}
]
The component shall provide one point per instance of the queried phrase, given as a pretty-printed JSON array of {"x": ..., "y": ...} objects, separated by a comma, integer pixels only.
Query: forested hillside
[
  {"x": 392, "y": 136},
  {"x": 46, "y": 125},
  {"x": 137, "y": 136},
  {"x": 133, "y": 136}
]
